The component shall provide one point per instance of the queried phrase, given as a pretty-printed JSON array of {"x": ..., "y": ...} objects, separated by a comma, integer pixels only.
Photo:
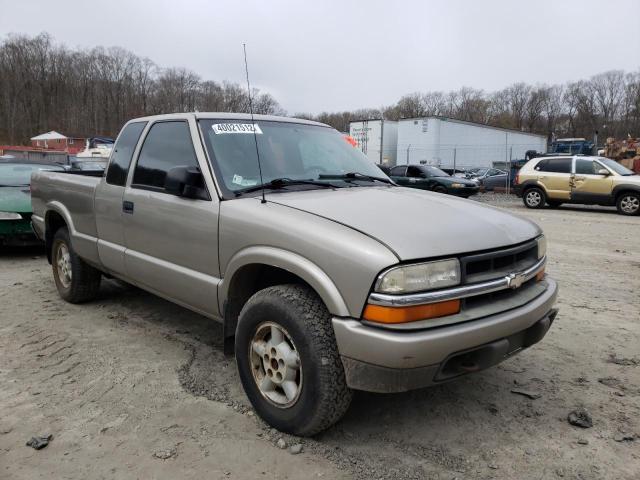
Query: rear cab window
[{"x": 123, "y": 152}]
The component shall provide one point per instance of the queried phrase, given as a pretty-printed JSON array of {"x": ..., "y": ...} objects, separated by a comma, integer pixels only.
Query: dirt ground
[{"x": 131, "y": 386}]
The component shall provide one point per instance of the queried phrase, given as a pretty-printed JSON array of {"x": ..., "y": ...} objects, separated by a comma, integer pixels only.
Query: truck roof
[{"x": 230, "y": 116}]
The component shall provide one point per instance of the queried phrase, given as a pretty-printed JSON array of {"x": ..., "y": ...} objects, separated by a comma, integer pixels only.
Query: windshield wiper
[
  {"x": 284, "y": 182},
  {"x": 357, "y": 176}
]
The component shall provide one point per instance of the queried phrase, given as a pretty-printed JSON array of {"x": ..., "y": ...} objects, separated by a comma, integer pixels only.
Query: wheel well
[
  {"x": 626, "y": 190},
  {"x": 529, "y": 186},
  {"x": 245, "y": 282},
  {"x": 53, "y": 222}
]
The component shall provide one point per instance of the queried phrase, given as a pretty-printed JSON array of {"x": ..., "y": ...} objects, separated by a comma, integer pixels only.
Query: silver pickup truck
[{"x": 326, "y": 276}]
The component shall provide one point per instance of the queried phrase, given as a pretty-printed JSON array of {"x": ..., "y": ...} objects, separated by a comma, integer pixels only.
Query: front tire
[
  {"x": 76, "y": 280},
  {"x": 440, "y": 189},
  {"x": 628, "y": 203},
  {"x": 534, "y": 198},
  {"x": 288, "y": 360}
]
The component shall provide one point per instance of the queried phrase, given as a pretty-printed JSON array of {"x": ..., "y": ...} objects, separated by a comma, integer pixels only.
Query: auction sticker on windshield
[{"x": 223, "y": 128}]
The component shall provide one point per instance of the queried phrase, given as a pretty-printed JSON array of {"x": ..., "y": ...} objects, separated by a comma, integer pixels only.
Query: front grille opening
[
  {"x": 478, "y": 267},
  {"x": 492, "y": 265},
  {"x": 502, "y": 262}
]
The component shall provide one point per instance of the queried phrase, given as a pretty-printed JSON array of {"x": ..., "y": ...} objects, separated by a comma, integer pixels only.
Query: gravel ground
[{"x": 131, "y": 386}]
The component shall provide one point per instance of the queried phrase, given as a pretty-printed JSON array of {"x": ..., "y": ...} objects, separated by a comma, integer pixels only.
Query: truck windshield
[{"x": 288, "y": 151}]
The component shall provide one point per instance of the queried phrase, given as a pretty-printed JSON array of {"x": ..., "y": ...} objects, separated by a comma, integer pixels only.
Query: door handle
[{"x": 127, "y": 207}]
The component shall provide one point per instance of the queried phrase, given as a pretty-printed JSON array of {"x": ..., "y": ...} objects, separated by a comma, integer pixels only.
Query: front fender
[{"x": 291, "y": 262}]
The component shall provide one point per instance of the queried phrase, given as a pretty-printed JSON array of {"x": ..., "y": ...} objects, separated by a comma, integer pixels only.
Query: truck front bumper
[{"x": 380, "y": 360}]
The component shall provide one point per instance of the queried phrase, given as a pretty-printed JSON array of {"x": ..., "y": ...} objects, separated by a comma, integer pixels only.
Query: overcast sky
[{"x": 341, "y": 55}]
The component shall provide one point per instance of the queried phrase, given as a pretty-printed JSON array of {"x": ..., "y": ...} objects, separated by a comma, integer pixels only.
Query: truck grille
[{"x": 499, "y": 263}]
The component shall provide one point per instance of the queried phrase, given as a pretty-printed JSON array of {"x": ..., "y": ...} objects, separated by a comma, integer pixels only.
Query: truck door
[
  {"x": 555, "y": 175},
  {"x": 171, "y": 240},
  {"x": 587, "y": 186},
  {"x": 108, "y": 199}
]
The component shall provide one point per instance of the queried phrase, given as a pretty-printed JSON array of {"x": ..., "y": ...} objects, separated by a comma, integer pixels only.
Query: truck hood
[
  {"x": 412, "y": 223},
  {"x": 15, "y": 199}
]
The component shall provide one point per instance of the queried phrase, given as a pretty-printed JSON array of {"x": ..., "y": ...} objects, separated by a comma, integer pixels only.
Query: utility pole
[
  {"x": 454, "y": 160},
  {"x": 381, "y": 137}
]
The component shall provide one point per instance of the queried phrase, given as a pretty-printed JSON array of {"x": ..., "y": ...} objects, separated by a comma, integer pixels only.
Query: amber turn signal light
[{"x": 381, "y": 314}]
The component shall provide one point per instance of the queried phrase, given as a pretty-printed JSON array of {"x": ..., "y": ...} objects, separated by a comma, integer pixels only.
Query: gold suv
[{"x": 578, "y": 179}]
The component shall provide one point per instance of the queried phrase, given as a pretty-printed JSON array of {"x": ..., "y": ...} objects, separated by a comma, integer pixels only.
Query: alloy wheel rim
[
  {"x": 63, "y": 265},
  {"x": 630, "y": 204},
  {"x": 533, "y": 198},
  {"x": 275, "y": 365}
]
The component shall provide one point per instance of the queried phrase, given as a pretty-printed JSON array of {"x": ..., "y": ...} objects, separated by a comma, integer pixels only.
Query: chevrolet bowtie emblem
[{"x": 515, "y": 280}]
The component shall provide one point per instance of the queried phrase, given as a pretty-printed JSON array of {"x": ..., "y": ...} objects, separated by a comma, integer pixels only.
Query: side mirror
[
  {"x": 604, "y": 171},
  {"x": 185, "y": 181}
]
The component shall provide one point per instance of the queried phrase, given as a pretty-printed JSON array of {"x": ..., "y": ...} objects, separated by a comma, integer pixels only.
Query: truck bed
[{"x": 71, "y": 196}]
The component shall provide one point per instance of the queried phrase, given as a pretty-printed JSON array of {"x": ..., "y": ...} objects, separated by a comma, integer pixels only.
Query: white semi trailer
[
  {"x": 377, "y": 139},
  {"x": 443, "y": 141}
]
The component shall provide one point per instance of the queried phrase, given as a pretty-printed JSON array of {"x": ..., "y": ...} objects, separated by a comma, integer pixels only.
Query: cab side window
[
  {"x": 167, "y": 145},
  {"x": 555, "y": 165},
  {"x": 398, "y": 171},
  {"x": 586, "y": 167},
  {"x": 122, "y": 153}
]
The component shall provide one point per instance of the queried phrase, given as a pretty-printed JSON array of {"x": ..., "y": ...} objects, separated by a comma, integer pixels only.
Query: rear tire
[
  {"x": 76, "y": 280},
  {"x": 628, "y": 203},
  {"x": 288, "y": 360},
  {"x": 534, "y": 198}
]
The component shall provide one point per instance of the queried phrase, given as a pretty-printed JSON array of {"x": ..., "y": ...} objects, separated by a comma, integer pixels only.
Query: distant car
[
  {"x": 489, "y": 178},
  {"x": 426, "y": 177},
  {"x": 578, "y": 179},
  {"x": 15, "y": 202}
]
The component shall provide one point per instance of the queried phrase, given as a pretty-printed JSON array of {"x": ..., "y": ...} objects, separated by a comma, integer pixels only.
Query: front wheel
[
  {"x": 288, "y": 360},
  {"x": 440, "y": 189},
  {"x": 534, "y": 198},
  {"x": 629, "y": 203}
]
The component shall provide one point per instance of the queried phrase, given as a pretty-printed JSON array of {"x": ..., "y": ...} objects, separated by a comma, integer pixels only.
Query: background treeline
[
  {"x": 608, "y": 102},
  {"x": 46, "y": 86}
]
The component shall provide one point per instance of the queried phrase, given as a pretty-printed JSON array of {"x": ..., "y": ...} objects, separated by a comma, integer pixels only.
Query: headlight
[
  {"x": 458, "y": 185},
  {"x": 421, "y": 276},
  {"x": 10, "y": 216},
  {"x": 542, "y": 246}
]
